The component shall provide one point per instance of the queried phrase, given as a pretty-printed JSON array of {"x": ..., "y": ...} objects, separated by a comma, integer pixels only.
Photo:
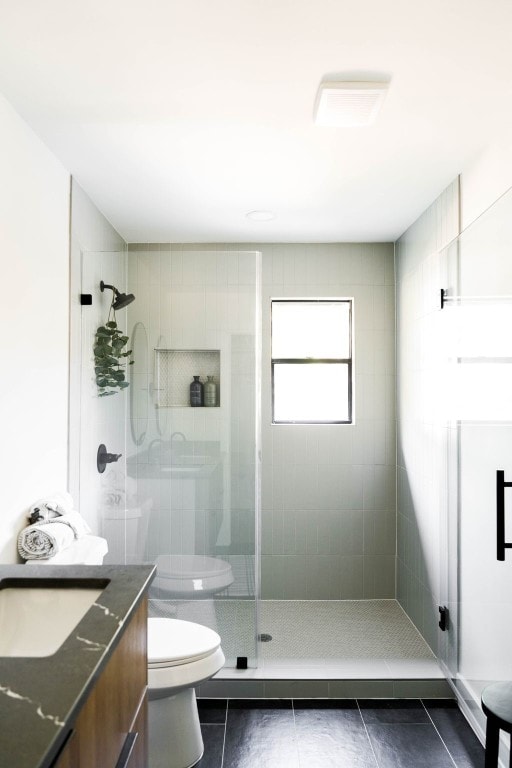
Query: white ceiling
[{"x": 179, "y": 117}]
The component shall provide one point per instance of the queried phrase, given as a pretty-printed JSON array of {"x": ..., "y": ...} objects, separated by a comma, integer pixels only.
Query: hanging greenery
[{"x": 110, "y": 357}]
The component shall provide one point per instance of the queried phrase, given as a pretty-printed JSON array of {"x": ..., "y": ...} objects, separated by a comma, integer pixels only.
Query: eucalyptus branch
[{"x": 110, "y": 357}]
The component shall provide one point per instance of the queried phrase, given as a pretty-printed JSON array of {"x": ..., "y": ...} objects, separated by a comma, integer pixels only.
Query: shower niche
[{"x": 175, "y": 369}]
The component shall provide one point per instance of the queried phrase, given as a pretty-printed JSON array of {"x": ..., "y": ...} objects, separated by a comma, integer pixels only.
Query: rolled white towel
[
  {"x": 46, "y": 538},
  {"x": 54, "y": 505}
]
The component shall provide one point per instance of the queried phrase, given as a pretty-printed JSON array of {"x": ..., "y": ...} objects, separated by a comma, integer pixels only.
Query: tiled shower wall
[
  {"x": 328, "y": 491},
  {"x": 422, "y": 432}
]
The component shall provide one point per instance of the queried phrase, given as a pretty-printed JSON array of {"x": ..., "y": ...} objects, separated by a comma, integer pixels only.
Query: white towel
[
  {"x": 58, "y": 503},
  {"x": 46, "y": 538}
]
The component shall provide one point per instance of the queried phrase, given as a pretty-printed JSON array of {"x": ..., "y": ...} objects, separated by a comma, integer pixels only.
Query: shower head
[{"x": 120, "y": 300}]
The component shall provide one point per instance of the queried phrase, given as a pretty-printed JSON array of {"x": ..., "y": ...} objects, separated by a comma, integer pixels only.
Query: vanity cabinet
[{"x": 111, "y": 728}]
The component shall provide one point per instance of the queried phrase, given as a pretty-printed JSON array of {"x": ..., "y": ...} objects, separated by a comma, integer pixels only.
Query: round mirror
[{"x": 139, "y": 390}]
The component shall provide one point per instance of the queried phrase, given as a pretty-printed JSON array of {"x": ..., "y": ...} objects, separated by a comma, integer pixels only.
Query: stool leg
[{"x": 492, "y": 743}]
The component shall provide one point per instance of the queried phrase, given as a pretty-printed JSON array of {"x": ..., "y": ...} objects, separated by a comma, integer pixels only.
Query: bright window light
[
  {"x": 312, "y": 361},
  {"x": 304, "y": 329}
]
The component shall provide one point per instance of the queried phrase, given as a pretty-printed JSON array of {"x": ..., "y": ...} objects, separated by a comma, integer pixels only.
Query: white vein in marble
[
  {"x": 107, "y": 612},
  {"x": 18, "y": 696},
  {"x": 91, "y": 645}
]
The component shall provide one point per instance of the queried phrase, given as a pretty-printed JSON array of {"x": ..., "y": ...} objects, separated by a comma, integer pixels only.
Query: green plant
[{"x": 110, "y": 357}]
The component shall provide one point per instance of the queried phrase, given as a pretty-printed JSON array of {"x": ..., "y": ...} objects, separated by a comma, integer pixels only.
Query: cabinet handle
[{"x": 127, "y": 749}]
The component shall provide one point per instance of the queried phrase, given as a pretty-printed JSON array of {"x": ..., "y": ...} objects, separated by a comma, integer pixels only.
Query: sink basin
[
  {"x": 197, "y": 460},
  {"x": 185, "y": 463},
  {"x": 36, "y": 620}
]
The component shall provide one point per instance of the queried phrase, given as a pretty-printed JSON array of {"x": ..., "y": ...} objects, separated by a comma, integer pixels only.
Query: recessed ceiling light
[
  {"x": 260, "y": 215},
  {"x": 348, "y": 104}
]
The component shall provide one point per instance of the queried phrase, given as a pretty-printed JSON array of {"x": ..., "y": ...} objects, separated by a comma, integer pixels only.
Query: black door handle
[{"x": 501, "y": 544}]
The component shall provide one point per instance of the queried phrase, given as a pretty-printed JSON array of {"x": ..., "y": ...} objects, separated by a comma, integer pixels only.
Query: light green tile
[
  {"x": 422, "y": 689},
  {"x": 379, "y": 576},
  {"x": 232, "y": 689},
  {"x": 362, "y": 689}
]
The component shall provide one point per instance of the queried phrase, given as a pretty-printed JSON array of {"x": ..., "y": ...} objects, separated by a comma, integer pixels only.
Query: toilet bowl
[
  {"x": 191, "y": 576},
  {"x": 181, "y": 655},
  {"x": 178, "y": 576}
]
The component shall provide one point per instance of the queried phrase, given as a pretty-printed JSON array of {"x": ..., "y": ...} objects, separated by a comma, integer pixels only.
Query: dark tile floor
[{"x": 317, "y": 733}]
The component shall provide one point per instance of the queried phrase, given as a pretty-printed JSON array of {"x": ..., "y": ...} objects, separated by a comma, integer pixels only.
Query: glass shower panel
[
  {"x": 478, "y": 322},
  {"x": 101, "y": 497},
  {"x": 193, "y": 472}
]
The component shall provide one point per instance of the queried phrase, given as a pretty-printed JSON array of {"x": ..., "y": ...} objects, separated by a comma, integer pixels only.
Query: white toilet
[
  {"x": 191, "y": 576},
  {"x": 181, "y": 655},
  {"x": 178, "y": 576}
]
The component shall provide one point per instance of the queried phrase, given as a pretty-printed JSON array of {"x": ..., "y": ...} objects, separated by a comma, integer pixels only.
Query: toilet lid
[
  {"x": 190, "y": 566},
  {"x": 172, "y": 642}
]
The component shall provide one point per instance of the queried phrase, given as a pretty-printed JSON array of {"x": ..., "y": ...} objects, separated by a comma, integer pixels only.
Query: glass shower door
[
  {"x": 193, "y": 470},
  {"x": 479, "y": 317},
  {"x": 184, "y": 493}
]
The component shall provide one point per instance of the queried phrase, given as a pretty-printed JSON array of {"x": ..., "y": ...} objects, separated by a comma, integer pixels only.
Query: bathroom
[{"x": 303, "y": 540}]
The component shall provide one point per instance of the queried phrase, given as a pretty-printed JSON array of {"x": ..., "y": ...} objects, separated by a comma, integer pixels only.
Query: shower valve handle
[{"x": 103, "y": 458}]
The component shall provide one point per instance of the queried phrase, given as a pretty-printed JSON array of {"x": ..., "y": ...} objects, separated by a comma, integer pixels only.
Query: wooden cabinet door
[{"x": 115, "y": 708}]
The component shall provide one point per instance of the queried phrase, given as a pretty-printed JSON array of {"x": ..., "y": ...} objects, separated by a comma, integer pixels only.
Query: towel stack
[{"x": 55, "y": 525}]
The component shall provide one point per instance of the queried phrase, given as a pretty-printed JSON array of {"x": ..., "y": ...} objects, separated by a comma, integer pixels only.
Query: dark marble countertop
[{"x": 40, "y": 697}]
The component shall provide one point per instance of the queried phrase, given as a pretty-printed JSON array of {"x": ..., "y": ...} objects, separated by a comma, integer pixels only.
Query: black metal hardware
[
  {"x": 103, "y": 458},
  {"x": 264, "y": 637},
  {"x": 119, "y": 300},
  {"x": 501, "y": 544},
  {"x": 443, "y": 297},
  {"x": 443, "y": 618},
  {"x": 85, "y": 299},
  {"x": 241, "y": 662},
  {"x": 129, "y": 743}
]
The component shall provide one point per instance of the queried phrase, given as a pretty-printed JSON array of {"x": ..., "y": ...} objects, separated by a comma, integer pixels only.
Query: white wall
[
  {"x": 34, "y": 317},
  {"x": 486, "y": 179}
]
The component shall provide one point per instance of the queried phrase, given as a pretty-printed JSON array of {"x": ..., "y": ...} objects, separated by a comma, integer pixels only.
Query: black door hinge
[
  {"x": 443, "y": 618},
  {"x": 85, "y": 299}
]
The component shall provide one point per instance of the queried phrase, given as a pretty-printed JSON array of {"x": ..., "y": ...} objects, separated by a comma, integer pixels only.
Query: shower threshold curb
[{"x": 427, "y": 688}]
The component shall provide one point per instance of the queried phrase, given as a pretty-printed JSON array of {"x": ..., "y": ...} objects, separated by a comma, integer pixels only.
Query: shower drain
[{"x": 264, "y": 638}]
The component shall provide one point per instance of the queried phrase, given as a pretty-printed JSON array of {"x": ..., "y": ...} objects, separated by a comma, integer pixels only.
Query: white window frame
[{"x": 312, "y": 361}]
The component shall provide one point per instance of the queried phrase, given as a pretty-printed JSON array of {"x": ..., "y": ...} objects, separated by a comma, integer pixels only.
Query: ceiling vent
[{"x": 348, "y": 104}]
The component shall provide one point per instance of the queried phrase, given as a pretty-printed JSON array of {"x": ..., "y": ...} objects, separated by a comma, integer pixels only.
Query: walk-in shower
[{"x": 282, "y": 537}]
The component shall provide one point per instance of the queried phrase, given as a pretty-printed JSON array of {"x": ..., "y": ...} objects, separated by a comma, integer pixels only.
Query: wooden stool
[{"x": 497, "y": 705}]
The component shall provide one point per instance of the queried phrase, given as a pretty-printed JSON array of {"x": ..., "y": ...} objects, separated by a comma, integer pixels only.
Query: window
[{"x": 311, "y": 361}]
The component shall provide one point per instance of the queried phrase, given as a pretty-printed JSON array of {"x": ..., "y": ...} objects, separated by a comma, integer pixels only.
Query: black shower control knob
[
  {"x": 110, "y": 457},
  {"x": 103, "y": 458}
]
